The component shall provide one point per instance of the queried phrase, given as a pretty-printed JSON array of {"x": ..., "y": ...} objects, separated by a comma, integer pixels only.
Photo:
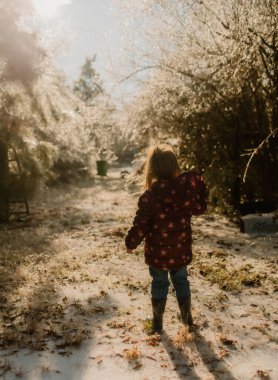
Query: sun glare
[{"x": 49, "y": 8}]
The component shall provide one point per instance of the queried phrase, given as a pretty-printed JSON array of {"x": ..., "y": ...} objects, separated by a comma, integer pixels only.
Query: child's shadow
[
  {"x": 214, "y": 364},
  {"x": 184, "y": 367},
  {"x": 182, "y": 364}
]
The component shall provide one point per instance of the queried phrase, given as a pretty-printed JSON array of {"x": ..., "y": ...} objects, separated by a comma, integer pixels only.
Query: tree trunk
[
  {"x": 236, "y": 185},
  {"x": 4, "y": 174}
]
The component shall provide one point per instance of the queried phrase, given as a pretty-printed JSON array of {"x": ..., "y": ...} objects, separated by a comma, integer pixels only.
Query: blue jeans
[{"x": 160, "y": 282}]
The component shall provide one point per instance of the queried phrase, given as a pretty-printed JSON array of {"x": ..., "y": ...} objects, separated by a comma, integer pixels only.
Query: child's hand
[{"x": 129, "y": 250}]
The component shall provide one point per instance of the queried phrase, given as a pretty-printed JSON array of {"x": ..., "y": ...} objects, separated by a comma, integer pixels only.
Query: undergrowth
[{"x": 232, "y": 279}]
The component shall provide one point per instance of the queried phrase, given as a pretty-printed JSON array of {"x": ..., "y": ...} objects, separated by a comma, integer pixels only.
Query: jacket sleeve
[
  {"x": 199, "y": 194},
  {"x": 141, "y": 223}
]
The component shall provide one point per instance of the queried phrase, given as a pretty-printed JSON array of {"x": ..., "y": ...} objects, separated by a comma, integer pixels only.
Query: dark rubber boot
[
  {"x": 158, "y": 311},
  {"x": 185, "y": 315}
]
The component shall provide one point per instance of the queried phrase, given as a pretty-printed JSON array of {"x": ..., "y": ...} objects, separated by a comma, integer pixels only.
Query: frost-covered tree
[
  {"x": 213, "y": 86},
  {"x": 21, "y": 58},
  {"x": 37, "y": 109},
  {"x": 100, "y": 111},
  {"x": 89, "y": 85}
]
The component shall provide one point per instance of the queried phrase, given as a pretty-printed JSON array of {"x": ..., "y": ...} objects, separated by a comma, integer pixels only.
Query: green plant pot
[{"x": 102, "y": 166}]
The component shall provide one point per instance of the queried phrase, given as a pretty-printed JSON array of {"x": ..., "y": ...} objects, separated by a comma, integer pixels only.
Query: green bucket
[{"x": 102, "y": 167}]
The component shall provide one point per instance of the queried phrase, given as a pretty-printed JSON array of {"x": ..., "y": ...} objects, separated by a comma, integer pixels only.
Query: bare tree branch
[{"x": 256, "y": 150}]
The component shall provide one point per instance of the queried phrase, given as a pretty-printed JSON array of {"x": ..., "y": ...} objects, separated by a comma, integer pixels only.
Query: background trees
[
  {"x": 89, "y": 84},
  {"x": 214, "y": 87},
  {"x": 209, "y": 78},
  {"x": 37, "y": 109},
  {"x": 99, "y": 110}
]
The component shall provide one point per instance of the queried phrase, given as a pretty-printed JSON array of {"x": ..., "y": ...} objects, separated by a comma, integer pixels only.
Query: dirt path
[{"x": 73, "y": 303}]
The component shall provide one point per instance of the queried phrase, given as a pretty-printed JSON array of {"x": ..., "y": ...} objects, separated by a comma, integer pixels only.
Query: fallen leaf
[
  {"x": 224, "y": 353},
  {"x": 99, "y": 359},
  {"x": 137, "y": 366},
  {"x": 150, "y": 357},
  {"x": 126, "y": 339},
  {"x": 263, "y": 374}
]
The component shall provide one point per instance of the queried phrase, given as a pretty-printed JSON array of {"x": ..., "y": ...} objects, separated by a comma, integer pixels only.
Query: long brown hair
[{"x": 161, "y": 163}]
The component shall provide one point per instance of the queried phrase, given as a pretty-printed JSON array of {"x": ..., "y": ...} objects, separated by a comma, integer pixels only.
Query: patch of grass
[
  {"x": 134, "y": 286},
  {"x": 153, "y": 340},
  {"x": 218, "y": 253},
  {"x": 230, "y": 279},
  {"x": 182, "y": 337},
  {"x": 73, "y": 334},
  {"x": 133, "y": 356},
  {"x": 148, "y": 325},
  {"x": 132, "y": 353},
  {"x": 114, "y": 324}
]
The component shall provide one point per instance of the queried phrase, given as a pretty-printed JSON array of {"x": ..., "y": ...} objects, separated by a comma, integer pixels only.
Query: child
[{"x": 163, "y": 220}]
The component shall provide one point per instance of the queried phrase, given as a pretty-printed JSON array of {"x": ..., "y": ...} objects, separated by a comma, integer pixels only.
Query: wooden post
[{"x": 4, "y": 175}]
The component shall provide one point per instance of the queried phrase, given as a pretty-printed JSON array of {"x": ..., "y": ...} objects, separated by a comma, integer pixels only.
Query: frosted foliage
[
  {"x": 40, "y": 116},
  {"x": 211, "y": 83}
]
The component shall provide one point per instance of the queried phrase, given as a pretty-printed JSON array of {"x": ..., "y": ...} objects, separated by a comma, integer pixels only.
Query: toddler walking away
[{"x": 163, "y": 220}]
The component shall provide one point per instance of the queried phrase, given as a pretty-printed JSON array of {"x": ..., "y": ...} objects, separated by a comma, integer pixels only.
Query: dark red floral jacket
[{"x": 163, "y": 220}]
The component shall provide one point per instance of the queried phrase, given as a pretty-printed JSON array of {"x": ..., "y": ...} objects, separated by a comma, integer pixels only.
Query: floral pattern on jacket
[{"x": 163, "y": 220}]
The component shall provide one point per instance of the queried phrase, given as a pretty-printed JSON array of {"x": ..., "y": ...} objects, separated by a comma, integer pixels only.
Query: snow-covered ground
[{"x": 73, "y": 303}]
